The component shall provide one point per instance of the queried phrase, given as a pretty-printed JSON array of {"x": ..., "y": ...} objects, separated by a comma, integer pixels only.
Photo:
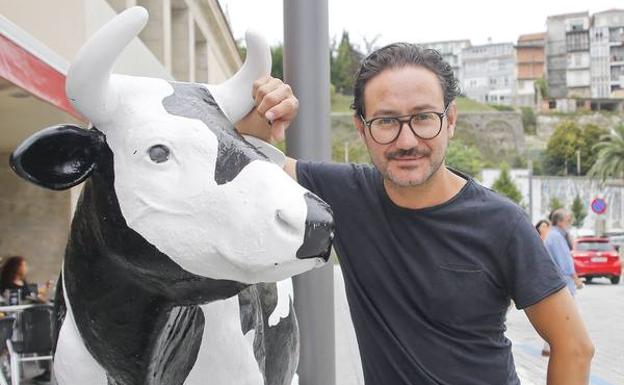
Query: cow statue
[{"x": 182, "y": 229}]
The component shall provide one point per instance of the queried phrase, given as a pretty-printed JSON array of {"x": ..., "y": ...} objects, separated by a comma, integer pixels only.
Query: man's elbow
[{"x": 580, "y": 350}]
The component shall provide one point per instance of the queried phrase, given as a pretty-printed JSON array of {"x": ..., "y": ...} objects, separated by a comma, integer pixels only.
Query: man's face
[{"x": 409, "y": 160}]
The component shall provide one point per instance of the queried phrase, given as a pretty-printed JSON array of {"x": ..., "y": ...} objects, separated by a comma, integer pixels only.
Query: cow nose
[{"x": 319, "y": 229}]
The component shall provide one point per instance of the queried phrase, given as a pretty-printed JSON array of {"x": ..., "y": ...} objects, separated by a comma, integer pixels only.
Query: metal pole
[
  {"x": 530, "y": 165},
  {"x": 578, "y": 162},
  {"x": 306, "y": 69}
]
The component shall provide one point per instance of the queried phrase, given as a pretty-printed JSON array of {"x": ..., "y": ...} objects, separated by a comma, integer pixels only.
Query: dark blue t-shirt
[{"x": 428, "y": 289}]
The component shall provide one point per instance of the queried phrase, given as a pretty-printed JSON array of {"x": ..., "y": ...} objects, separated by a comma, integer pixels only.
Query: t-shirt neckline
[{"x": 386, "y": 198}]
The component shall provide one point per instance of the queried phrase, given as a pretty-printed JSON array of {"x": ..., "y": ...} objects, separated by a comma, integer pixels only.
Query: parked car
[{"x": 596, "y": 257}]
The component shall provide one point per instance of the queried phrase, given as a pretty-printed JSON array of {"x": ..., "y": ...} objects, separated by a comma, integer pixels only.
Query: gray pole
[
  {"x": 306, "y": 69},
  {"x": 530, "y": 190}
]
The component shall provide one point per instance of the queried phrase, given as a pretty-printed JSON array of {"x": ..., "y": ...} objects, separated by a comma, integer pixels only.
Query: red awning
[{"x": 32, "y": 73}]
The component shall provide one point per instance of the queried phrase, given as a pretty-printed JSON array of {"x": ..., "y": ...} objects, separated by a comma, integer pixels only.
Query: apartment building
[
  {"x": 607, "y": 54},
  {"x": 489, "y": 73},
  {"x": 451, "y": 52},
  {"x": 530, "y": 56}
]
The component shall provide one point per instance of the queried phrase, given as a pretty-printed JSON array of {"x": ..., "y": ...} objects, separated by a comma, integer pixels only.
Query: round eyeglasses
[{"x": 425, "y": 125}]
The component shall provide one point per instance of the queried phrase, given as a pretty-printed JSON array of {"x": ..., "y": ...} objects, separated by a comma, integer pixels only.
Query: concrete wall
[{"x": 34, "y": 222}]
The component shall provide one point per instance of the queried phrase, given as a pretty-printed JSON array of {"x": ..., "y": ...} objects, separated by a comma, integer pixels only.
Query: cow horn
[
  {"x": 88, "y": 78},
  {"x": 234, "y": 96}
]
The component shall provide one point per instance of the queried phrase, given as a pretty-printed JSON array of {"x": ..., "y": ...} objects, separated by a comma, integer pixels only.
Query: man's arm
[
  {"x": 276, "y": 107},
  {"x": 557, "y": 320}
]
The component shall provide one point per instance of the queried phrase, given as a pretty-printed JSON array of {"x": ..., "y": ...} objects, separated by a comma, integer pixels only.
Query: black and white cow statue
[{"x": 182, "y": 228}]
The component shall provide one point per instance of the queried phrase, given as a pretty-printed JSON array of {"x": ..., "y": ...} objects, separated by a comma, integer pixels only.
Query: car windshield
[{"x": 594, "y": 246}]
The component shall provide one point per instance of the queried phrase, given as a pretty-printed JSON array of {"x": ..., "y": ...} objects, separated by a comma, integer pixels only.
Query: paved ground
[{"x": 601, "y": 305}]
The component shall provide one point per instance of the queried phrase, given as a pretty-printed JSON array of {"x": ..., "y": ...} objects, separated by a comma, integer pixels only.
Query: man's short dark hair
[{"x": 400, "y": 55}]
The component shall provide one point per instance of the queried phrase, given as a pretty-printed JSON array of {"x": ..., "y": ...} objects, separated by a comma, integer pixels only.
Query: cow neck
[{"x": 122, "y": 306}]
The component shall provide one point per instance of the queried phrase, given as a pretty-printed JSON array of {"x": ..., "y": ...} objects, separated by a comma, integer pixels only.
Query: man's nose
[
  {"x": 319, "y": 229},
  {"x": 406, "y": 139}
]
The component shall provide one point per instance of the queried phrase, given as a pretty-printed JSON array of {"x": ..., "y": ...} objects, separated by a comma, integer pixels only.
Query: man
[
  {"x": 559, "y": 249},
  {"x": 558, "y": 245},
  {"x": 430, "y": 258}
]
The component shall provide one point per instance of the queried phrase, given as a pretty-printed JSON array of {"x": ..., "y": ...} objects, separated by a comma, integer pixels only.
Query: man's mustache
[{"x": 412, "y": 152}]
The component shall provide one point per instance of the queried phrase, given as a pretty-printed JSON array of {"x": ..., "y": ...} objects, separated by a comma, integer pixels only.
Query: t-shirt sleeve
[
  {"x": 532, "y": 273},
  {"x": 325, "y": 179}
]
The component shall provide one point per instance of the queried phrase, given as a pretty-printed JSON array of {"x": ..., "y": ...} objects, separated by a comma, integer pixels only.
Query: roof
[
  {"x": 532, "y": 36},
  {"x": 612, "y": 10},
  {"x": 569, "y": 15}
]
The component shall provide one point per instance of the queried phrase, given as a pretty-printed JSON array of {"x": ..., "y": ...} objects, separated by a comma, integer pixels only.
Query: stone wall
[
  {"x": 498, "y": 135},
  {"x": 34, "y": 222}
]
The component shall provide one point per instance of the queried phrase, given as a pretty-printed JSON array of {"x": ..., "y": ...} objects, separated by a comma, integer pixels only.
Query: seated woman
[{"x": 13, "y": 276}]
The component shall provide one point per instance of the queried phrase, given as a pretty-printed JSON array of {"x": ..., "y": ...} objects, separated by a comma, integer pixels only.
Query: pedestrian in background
[
  {"x": 543, "y": 228},
  {"x": 558, "y": 245}
]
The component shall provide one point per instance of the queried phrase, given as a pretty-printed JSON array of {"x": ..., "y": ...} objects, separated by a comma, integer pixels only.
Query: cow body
[{"x": 182, "y": 229}]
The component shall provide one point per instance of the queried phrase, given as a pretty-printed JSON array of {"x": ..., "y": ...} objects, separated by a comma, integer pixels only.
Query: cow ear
[{"x": 58, "y": 157}]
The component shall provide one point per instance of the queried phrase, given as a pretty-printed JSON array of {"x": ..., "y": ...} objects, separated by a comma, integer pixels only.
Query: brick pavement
[{"x": 601, "y": 305}]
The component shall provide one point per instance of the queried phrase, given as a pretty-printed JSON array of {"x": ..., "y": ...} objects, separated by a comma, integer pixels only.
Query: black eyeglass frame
[{"x": 406, "y": 119}]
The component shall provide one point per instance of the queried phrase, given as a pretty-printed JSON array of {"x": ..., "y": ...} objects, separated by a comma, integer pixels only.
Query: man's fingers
[
  {"x": 259, "y": 83},
  {"x": 266, "y": 89},
  {"x": 286, "y": 110}
]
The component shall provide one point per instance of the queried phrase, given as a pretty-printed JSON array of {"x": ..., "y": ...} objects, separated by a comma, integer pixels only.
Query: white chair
[{"x": 35, "y": 325}]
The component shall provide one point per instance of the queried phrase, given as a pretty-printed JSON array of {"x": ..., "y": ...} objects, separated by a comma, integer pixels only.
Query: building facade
[
  {"x": 607, "y": 54},
  {"x": 451, "y": 52},
  {"x": 489, "y": 73},
  {"x": 530, "y": 56}
]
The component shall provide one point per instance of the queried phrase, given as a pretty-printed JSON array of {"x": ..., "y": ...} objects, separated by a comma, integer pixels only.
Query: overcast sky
[{"x": 416, "y": 21}]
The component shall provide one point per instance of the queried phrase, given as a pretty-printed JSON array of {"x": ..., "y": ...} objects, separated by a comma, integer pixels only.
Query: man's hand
[{"x": 275, "y": 109}]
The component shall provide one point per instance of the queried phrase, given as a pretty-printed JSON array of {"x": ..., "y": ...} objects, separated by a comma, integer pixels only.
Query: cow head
[{"x": 184, "y": 179}]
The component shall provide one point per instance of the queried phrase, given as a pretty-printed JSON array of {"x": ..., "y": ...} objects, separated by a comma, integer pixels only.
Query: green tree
[
  {"x": 344, "y": 65},
  {"x": 529, "y": 121},
  {"x": 541, "y": 85},
  {"x": 504, "y": 185},
  {"x": 555, "y": 204},
  {"x": 610, "y": 156},
  {"x": 579, "y": 211},
  {"x": 568, "y": 138},
  {"x": 463, "y": 157}
]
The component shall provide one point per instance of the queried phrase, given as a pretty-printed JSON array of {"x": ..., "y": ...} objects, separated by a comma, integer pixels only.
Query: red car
[{"x": 596, "y": 257}]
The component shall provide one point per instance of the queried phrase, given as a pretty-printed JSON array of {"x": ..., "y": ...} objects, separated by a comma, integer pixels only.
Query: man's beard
[{"x": 432, "y": 168}]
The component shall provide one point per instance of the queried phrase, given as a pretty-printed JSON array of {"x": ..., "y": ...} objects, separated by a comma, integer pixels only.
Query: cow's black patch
[
  {"x": 194, "y": 101},
  {"x": 124, "y": 292},
  {"x": 276, "y": 348}
]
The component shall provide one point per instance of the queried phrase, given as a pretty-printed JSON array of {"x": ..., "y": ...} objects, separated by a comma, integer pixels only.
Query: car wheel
[
  {"x": 588, "y": 280},
  {"x": 615, "y": 280}
]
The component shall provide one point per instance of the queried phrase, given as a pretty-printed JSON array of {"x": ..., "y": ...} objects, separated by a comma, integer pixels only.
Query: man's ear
[
  {"x": 451, "y": 116},
  {"x": 58, "y": 157},
  {"x": 359, "y": 126}
]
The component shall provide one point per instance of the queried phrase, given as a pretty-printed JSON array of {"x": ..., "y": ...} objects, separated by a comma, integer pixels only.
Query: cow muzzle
[{"x": 319, "y": 229}]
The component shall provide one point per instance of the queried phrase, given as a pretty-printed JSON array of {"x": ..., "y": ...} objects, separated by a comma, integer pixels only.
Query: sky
[{"x": 415, "y": 21}]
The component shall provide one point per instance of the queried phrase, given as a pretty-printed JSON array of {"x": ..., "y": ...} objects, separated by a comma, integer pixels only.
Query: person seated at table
[{"x": 13, "y": 276}]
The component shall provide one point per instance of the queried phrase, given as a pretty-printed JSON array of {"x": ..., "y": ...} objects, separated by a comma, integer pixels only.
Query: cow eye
[{"x": 159, "y": 153}]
